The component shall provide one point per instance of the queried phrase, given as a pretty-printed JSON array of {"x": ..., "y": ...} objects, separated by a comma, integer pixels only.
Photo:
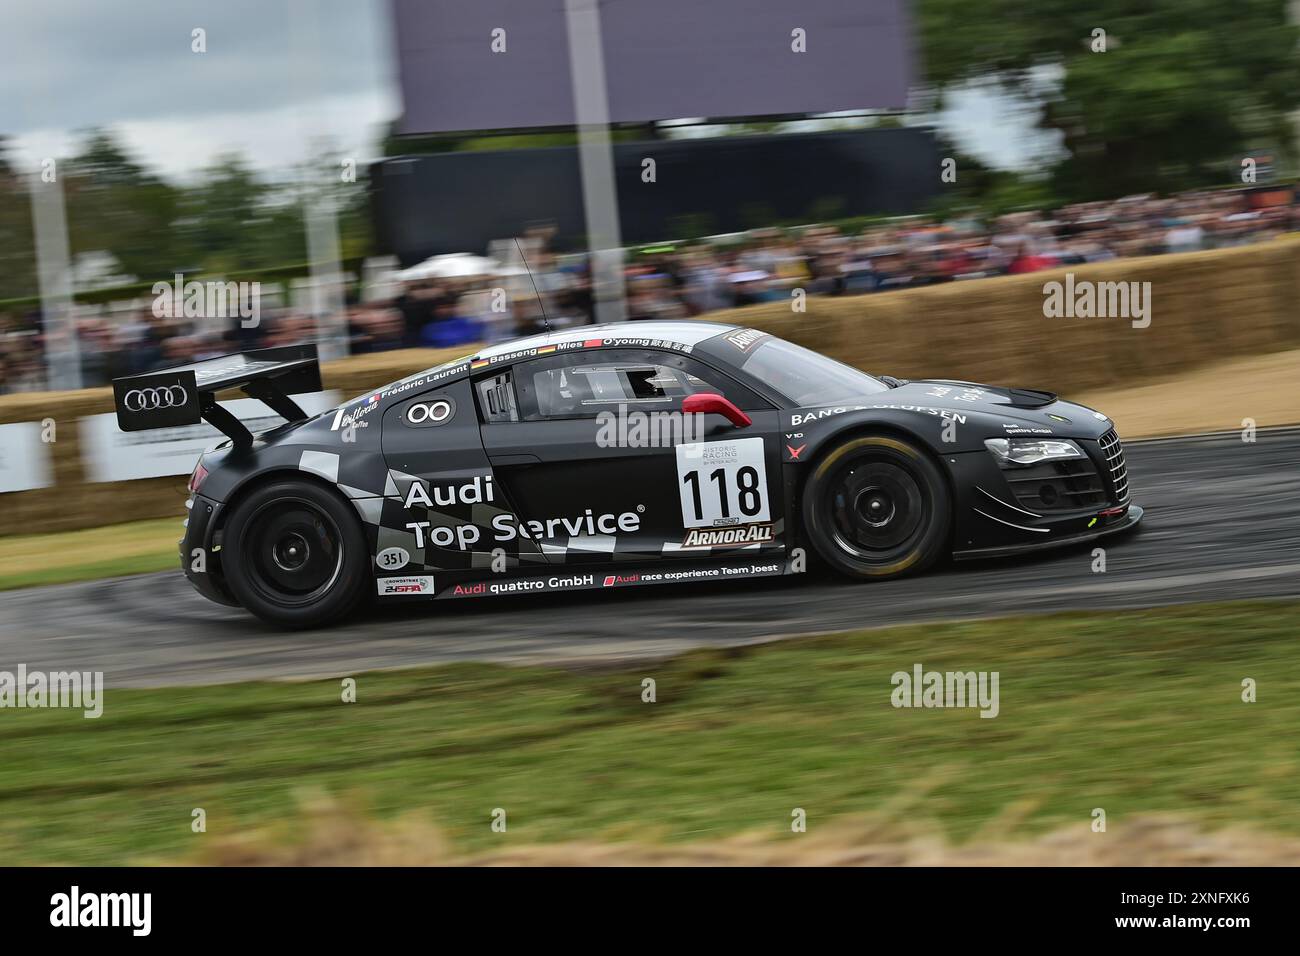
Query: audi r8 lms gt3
[{"x": 611, "y": 457}]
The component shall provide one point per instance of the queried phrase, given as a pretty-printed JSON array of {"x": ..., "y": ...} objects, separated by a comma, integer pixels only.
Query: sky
[{"x": 278, "y": 78}]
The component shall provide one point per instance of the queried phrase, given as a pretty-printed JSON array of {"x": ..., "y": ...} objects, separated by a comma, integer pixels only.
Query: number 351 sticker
[{"x": 722, "y": 483}]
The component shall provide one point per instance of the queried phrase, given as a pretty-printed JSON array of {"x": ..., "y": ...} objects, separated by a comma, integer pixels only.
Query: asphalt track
[{"x": 1222, "y": 523}]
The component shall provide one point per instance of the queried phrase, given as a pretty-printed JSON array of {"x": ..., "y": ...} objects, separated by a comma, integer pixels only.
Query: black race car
[{"x": 616, "y": 456}]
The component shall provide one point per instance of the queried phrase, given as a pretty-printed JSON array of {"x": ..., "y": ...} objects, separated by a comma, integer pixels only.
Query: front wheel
[
  {"x": 294, "y": 554},
  {"x": 877, "y": 507}
]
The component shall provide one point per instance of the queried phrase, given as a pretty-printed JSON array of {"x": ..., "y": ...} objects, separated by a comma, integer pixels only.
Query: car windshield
[{"x": 805, "y": 377}]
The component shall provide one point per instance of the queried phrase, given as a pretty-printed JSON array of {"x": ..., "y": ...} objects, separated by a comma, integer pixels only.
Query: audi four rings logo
[
  {"x": 147, "y": 399},
  {"x": 430, "y": 413}
]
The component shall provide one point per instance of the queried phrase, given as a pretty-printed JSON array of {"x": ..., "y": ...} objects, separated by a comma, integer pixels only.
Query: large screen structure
[{"x": 504, "y": 64}]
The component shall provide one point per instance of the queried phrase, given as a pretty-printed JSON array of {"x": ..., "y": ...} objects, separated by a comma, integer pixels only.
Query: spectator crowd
[{"x": 677, "y": 281}]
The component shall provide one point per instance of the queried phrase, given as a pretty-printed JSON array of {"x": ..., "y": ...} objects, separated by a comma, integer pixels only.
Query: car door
[
  {"x": 442, "y": 505},
  {"x": 603, "y": 466}
]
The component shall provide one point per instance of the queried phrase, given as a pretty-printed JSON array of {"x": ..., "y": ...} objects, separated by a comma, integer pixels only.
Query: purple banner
[{"x": 499, "y": 64}]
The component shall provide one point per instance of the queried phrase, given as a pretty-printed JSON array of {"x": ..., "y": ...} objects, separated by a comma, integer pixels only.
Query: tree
[
  {"x": 223, "y": 217},
  {"x": 116, "y": 205},
  {"x": 17, "y": 257},
  {"x": 986, "y": 190},
  {"x": 1182, "y": 91}
]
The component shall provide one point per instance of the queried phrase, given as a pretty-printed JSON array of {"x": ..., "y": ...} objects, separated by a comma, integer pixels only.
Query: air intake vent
[
  {"x": 1112, "y": 448},
  {"x": 1057, "y": 486}
]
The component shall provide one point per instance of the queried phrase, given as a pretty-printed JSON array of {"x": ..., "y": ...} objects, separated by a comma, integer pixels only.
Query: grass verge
[
  {"x": 59, "y": 557},
  {"x": 339, "y": 835},
  {"x": 1137, "y": 713}
]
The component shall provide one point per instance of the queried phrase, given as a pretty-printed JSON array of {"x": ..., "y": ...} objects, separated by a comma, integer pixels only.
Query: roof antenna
[{"x": 540, "y": 303}]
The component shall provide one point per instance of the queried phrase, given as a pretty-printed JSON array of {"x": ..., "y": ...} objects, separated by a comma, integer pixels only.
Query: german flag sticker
[
  {"x": 546, "y": 350},
  {"x": 478, "y": 364}
]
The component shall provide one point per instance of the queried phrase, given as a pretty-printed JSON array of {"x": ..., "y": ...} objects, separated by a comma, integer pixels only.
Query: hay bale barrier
[{"x": 1205, "y": 307}]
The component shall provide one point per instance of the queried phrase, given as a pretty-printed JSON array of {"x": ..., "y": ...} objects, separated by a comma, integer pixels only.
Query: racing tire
[
  {"x": 294, "y": 554},
  {"x": 877, "y": 506}
]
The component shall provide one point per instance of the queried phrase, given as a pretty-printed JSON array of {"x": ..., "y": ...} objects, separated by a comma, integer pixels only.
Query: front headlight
[{"x": 1030, "y": 451}]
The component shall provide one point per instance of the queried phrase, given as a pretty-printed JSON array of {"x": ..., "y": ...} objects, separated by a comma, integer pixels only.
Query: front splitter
[{"x": 1131, "y": 519}]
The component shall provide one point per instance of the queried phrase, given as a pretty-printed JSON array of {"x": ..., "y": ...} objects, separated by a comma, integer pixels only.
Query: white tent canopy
[{"x": 455, "y": 265}]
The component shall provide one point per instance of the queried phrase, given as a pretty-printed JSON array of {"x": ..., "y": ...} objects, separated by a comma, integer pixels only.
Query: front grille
[
  {"x": 1113, "y": 450},
  {"x": 1049, "y": 487}
]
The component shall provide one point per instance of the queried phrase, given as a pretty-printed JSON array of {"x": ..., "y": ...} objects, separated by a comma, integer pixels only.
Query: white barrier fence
[{"x": 109, "y": 454}]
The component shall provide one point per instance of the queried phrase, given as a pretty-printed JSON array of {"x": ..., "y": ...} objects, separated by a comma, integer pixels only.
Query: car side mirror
[{"x": 711, "y": 403}]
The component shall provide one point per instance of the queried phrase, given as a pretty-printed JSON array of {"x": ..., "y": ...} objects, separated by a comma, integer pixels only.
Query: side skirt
[{"x": 448, "y": 585}]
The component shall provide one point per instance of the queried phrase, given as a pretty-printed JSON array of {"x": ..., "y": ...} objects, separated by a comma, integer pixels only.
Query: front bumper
[
  {"x": 200, "y": 553},
  {"x": 1034, "y": 508}
]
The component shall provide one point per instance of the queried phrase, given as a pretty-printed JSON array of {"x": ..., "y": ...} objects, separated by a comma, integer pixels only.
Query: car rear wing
[{"x": 187, "y": 394}]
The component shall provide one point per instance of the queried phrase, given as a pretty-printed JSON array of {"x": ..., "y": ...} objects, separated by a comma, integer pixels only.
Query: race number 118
[{"x": 722, "y": 483}]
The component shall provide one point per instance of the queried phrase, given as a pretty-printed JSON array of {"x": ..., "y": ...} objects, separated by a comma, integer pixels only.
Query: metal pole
[
  {"x": 596, "y": 158},
  {"x": 326, "y": 294},
  {"x": 54, "y": 281},
  {"x": 53, "y": 260}
]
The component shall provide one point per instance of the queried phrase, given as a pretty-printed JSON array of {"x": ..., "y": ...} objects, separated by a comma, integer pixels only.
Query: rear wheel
[
  {"x": 294, "y": 554},
  {"x": 877, "y": 507}
]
